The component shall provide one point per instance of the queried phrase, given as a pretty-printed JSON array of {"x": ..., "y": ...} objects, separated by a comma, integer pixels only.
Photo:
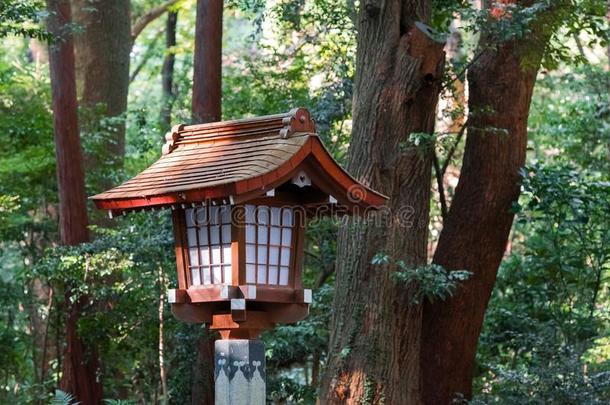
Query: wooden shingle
[{"x": 235, "y": 161}]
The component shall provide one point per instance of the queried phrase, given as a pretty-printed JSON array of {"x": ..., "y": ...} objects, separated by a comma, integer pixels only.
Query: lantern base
[{"x": 239, "y": 374}]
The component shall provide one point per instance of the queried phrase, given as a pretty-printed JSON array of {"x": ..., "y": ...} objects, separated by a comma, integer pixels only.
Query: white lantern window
[
  {"x": 209, "y": 240},
  {"x": 268, "y": 244}
]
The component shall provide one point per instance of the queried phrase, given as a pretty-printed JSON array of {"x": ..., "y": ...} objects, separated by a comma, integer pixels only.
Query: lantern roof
[{"x": 240, "y": 160}]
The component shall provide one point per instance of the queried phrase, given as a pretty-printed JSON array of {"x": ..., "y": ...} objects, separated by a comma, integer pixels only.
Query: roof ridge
[{"x": 286, "y": 124}]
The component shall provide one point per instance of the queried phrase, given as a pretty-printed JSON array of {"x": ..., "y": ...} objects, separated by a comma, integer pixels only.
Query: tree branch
[
  {"x": 148, "y": 17},
  {"x": 147, "y": 55},
  {"x": 440, "y": 185},
  {"x": 451, "y": 152}
]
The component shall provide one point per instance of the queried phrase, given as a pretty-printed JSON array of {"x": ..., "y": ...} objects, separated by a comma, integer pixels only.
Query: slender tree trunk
[
  {"x": 375, "y": 331},
  {"x": 167, "y": 72},
  {"x": 206, "y": 107},
  {"x": 207, "y": 91},
  {"x": 162, "y": 370},
  {"x": 80, "y": 366},
  {"x": 476, "y": 231},
  {"x": 102, "y": 68}
]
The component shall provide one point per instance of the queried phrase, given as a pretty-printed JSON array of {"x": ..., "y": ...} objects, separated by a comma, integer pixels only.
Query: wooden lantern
[{"x": 240, "y": 194}]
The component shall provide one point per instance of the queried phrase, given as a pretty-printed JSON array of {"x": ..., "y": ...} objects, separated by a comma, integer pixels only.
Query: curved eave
[{"x": 312, "y": 157}]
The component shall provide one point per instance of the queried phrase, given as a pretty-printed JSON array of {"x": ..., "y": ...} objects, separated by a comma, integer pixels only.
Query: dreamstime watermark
[{"x": 351, "y": 210}]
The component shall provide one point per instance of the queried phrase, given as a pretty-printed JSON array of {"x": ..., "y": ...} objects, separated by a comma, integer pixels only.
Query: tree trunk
[
  {"x": 80, "y": 366},
  {"x": 167, "y": 72},
  {"x": 206, "y": 106},
  {"x": 374, "y": 342},
  {"x": 202, "y": 391},
  {"x": 102, "y": 52},
  {"x": 476, "y": 230}
]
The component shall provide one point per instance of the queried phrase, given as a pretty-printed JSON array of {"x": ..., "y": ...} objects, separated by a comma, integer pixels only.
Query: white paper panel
[
  {"x": 205, "y": 256},
  {"x": 226, "y": 233},
  {"x": 275, "y": 216},
  {"x": 250, "y": 212},
  {"x": 194, "y": 256},
  {"x": 214, "y": 235},
  {"x": 214, "y": 215},
  {"x": 250, "y": 273},
  {"x": 228, "y": 274},
  {"x": 274, "y": 255},
  {"x": 287, "y": 217},
  {"x": 262, "y": 254},
  {"x": 199, "y": 216},
  {"x": 206, "y": 275},
  {"x": 226, "y": 254},
  {"x": 273, "y": 275},
  {"x": 274, "y": 237},
  {"x": 203, "y": 236},
  {"x": 250, "y": 253},
  {"x": 286, "y": 236},
  {"x": 216, "y": 274},
  {"x": 285, "y": 257},
  {"x": 216, "y": 255},
  {"x": 225, "y": 214},
  {"x": 262, "y": 216},
  {"x": 190, "y": 216},
  {"x": 262, "y": 234},
  {"x": 261, "y": 274},
  {"x": 195, "y": 280},
  {"x": 283, "y": 275},
  {"x": 250, "y": 233},
  {"x": 192, "y": 236}
]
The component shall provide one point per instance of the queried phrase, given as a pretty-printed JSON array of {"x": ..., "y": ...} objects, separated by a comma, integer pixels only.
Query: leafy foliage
[
  {"x": 551, "y": 301},
  {"x": 431, "y": 282},
  {"x": 545, "y": 338},
  {"x": 22, "y": 18}
]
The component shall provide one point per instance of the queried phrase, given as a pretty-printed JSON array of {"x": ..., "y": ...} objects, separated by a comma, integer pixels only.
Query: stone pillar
[{"x": 239, "y": 373}]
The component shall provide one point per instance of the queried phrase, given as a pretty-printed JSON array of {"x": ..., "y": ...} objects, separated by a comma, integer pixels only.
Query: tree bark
[
  {"x": 207, "y": 72},
  {"x": 80, "y": 366},
  {"x": 206, "y": 107},
  {"x": 476, "y": 231},
  {"x": 102, "y": 70},
  {"x": 167, "y": 71},
  {"x": 375, "y": 331}
]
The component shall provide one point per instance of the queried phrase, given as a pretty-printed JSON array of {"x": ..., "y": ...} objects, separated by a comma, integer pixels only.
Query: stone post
[{"x": 239, "y": 373}]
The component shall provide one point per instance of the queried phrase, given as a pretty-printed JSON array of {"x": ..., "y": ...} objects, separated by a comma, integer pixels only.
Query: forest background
[{"x": 545, "y": 336}]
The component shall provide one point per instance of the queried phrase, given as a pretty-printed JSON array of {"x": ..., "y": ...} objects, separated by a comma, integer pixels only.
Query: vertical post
[
  {"x": 239, "y": 374},
  {"x": 207, "y": 62}
]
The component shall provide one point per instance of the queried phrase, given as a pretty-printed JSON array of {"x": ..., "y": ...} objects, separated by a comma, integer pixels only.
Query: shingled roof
[{"x": 237, "y": 161}]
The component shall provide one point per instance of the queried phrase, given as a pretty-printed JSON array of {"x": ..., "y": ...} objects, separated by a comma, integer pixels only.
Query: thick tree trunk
[
  {"x": 70, "y": 175},
  {"x": 102, "y": 69},
  {"x": 167, "y": 71},
  {"x": 207, "y": 73},
  {"x": 375, "y": 331},
  {"x": 476, "y": 230},
  {"x": 80, "y": 366},
  {"x": 206, "y": 107}
]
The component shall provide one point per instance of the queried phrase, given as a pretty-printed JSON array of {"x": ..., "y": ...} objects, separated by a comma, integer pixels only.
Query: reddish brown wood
[
  {"x": 70, "y": 175},
  {"x": 192, "y": 313},
  {"x": 255, "y": 322},
  {"x": 297, "y": 251},
  {"x": 206, "y": 106},
  {"x": 375, "y": 329},
  {"x": 241, "y": 167},
  {"x": 80, "y": 365},
  {"x": 476, "y": 231},
  {"x": 181, "y": 246}
]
